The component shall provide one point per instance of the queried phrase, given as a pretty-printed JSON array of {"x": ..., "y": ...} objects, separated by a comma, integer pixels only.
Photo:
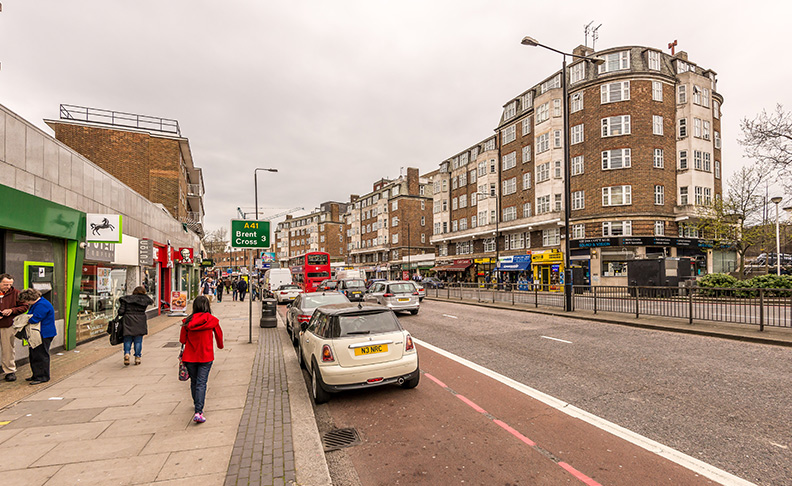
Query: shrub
[{"x": 720, "y": 280}]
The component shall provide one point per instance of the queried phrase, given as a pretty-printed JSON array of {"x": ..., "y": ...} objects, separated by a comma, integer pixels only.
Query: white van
[
  {"x": 274, "y": 278},
  {"x": 347, "y": 274}
]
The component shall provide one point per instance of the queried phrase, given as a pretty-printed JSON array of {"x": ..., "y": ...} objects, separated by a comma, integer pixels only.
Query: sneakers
[
  {"x": 199, "y": 418},
  {"x": 137, "y": 360},
  {"x": 126, "y": 360}
]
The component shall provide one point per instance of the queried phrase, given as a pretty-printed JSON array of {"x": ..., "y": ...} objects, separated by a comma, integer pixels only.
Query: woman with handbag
[
  {"x": 134, "y": 321},
  {"x": 42, "y": 313},
  {"x": 197, "y": 332}
]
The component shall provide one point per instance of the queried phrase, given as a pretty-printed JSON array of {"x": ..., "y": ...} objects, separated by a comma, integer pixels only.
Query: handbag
[
  {"x": 116, "y": 331},
  {"x": 184, "y": 373}
]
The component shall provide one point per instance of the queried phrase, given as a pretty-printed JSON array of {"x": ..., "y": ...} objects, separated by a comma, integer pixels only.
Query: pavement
[{"x": 100, "y": 422}]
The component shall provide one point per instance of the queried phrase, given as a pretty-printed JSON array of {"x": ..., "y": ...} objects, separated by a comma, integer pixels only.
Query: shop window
[{"x": 614, "y": 269}]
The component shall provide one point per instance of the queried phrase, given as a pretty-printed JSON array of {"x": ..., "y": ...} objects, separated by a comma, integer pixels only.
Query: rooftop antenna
[
  {"x": 586, "y": 29},
  {"x": 594, "y": 37}
]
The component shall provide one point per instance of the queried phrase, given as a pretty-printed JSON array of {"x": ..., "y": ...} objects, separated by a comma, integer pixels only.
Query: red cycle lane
[{"x": 460, "y": 426}]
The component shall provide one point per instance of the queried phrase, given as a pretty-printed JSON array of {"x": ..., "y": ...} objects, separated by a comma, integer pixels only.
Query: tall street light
[
  {"x": 251, "y": 261},
  {"x": 776, "y": 200},
  {"x": 531, "y": 42},
  {"x": 255, "y": 183}
]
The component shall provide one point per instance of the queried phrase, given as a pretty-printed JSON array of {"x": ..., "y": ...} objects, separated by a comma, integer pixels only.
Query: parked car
[
  {"x": 287, "y": 293},
  {"x": 303, "y": 307},
  {"x": 328, "y": 284},
  {"x": 354, "y": 346},
  {"x": 372, "y": 281},
  {"x": 433, "y": 283},
  {"x": 397, "y": 295},
  {"x": 421, "y": 290},
  {"x": 353, "y": 288},
  {"x": 274, "y": 278}
]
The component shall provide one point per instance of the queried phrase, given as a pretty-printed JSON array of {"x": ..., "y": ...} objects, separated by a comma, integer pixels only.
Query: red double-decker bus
[{"x": 309, "y": 269}]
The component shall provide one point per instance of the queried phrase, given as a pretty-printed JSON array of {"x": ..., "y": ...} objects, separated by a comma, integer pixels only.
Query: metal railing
[
  {"x": 119, "y": 119},
  {"x": 195, "y": 190},
  {"x": 753, "y": 306}
]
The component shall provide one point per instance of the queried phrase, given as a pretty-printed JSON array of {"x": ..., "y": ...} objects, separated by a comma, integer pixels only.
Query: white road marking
[
  {"x": 556, "y": 339},
  {"x": 695, "y": 465},
  {"x": 452, "y": 317}
]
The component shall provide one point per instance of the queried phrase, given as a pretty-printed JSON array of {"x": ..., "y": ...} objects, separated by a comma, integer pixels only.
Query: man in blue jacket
[{"x": 42, "y": 313}]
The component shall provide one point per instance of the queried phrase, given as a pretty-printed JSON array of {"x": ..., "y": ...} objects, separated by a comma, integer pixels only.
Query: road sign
[{"x": 246, "y": 233}]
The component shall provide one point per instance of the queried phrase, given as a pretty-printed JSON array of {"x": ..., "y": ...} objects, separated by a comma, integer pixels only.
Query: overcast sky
[{"x": 338, "y": 94}]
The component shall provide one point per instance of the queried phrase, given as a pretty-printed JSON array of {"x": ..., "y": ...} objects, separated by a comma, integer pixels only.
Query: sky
[{"x": 339, "y": 94}]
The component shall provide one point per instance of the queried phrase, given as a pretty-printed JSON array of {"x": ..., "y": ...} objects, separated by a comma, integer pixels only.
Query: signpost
[{"x": 250, "y": 233}]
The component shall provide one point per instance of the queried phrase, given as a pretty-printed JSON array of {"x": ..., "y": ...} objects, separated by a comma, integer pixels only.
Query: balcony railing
[
  {"x": 195, "y": 190},
  {"x": 119, "y": 119}
]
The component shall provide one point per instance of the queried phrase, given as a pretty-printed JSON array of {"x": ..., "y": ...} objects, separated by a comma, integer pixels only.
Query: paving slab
[
  {"x": 146, "y": 425},
  {"x": 18, "y": 457},
  {"x": 35, "y": 476},
  {"x": 201, "y": 462},
  {"x": 53, "y": 434},
  {"x": 208, "y": 480},
  {"x": 96, "y": 449},
  {"x": 109, "y": 400},
  {"x": 62, "y": 417},
  {"x": 133, "y": 411},
  {"x": 127, "y": 470},
  {"x": 194, "y": 438}
]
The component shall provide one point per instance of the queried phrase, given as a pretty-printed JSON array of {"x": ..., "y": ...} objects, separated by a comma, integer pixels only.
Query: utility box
[{"x": 661, "y": 272}]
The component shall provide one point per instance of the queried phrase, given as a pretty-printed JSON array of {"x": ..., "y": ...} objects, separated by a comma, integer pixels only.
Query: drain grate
[
  {"x": 340, "y": 438},
  {"x": 171, "y": 344}
]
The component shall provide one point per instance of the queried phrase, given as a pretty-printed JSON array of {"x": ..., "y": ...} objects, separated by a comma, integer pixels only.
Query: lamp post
[
  {"x": 531, "y": 42},
  {"x": 250, "y": 256},
  {"x": 776, "y": 200}
]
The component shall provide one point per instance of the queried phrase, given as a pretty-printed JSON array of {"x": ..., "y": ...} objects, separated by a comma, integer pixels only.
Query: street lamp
[
  {"x": 776, "y": 200},
  {"x": 255, "y": 183},
  {"x": 531, "y": 42}
]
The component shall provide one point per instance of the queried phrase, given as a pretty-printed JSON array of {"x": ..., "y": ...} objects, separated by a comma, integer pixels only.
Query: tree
[
  {"x": 768, "y": 140},
  {"x": 216, "y": 241},
  {"x": 735, "y": 221}
]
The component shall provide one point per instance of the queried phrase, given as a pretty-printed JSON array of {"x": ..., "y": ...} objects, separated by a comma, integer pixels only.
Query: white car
[
  {"x": 421, "y": 290},
  {"x": 354, "y": 346},
  {"x": 286, "y": 293},
  {"x": 397, "y": 295}
]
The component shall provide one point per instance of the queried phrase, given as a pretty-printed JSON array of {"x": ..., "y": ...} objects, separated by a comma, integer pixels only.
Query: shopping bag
[
  {"x": 116, "y": 331},
  {"x": 184, "y": 374}
]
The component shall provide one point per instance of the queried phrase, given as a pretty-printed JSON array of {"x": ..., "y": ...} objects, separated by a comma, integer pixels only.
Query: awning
[
  {"x": 458, "y": 267},
  {"x": 440, "y": 268},
  {"x": 514, "y": 266}
]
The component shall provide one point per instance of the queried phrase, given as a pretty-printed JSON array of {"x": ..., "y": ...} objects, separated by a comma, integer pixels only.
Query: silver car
[{"x": 397, "y": 295}]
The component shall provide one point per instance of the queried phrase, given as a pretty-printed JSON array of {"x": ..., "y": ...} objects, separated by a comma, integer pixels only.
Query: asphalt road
[{"x": 725, "y": 403}]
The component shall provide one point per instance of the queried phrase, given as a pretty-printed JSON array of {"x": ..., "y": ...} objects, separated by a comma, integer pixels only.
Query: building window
[
  {"x": 654, "y": 60},
  {"x": 509, "y": 134},
  {"x": 510, "y": 186},
  {"x": 658, "y": 159},
  {"x": 688, "y": 231},
  {"x": 526, "y": 181},
  {"x": 527, "y": 210},
  {"x": 715, "y": 109},
  {"x": 423, "y": 237},
  {"x": 578, "y": 200},
  {"x": 463, "y": 201},
  {"x": 556, "y": 108},
  {"x": 557, "y": 139},
  {"x": 683, "y": 159},
  {"x": 510, "y": 213},
  {"x": 510, "y": 111},
  {"x": 707, "y": 167},
  {"x": 617, "y": 228},
  {"x": 699, "y": 191},
  {"x": 463, "y": 224},
  {"x": 577, "y": 72},
  {"x": 657, "y": 124},
  {"x": 698, "y": 160},
  {"x": 557, "y": 202},
  {"x": 482, "y": 169},
  {"x": 463, "y": 179},
  {"x": 558, "y": 171},
  {"x": 543, "y": 204},
  {"x": 616, "y": 159},
  {"x": 489, "y": 244},
  {"x": 697, "y": 127},
  {"x": 659, "y": 193},
  {"x": 454, "y": 183},
  {"x": 576, "y": 102},
  {"x": 578, "y": 231},
  {"x": 577, "y": 165},
  {"x": 683, "y": 128},
  {"x": 526, "y": 154},
  {"x": 423, "y": 220},
  {"x": 696, "y": 95},
  {"x": 528, "y": 100},
  {"x": 509, "y": 161},
  {"x": 472, "y": 177},
  {"x": 543, "y": 143},
  {"x": 659, "y": 228},
  {"x": 717, "y": 169},
  {"x": 472, "y": 221},
  {"x": 657, "y": 91},
  {"x": 493, "y": 166},
  {"x": 482, "y": 218},
  {"x": 576, "y": 134},
  {"x": 682, "y": 94},
  {"x": 493, "y": 189},
  {"x": 454, "y": 206},
  {"x": 543, "y": 172},
  {"x": 395, "y": 238},
  {"x": 554, "y": 82},
  {"x": 717, "y": 140},
  {"x": 551, "y": 237},
  {"x": 615, "y": 61},
  {"x": 526, "y": 126},
  {"x": 617, "y": 196},
  {"x": 705, "y": 133},
  {"x": 515, "y": 241},
  {"x": 454, "y": 225},
  {"x": 705, "y": 97},
  {"x": 613, "y": 92},
  {"x": 489, "y": 144},
  {"x": 542, "y": 112},
  {"x": 683, "y": 196},
  {"x": 616, "y": 125}
]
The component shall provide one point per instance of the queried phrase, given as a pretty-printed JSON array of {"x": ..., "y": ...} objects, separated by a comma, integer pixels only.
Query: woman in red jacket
[{"x": 197, "y": 332}]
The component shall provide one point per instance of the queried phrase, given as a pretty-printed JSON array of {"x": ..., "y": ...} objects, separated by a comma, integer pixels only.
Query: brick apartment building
[
  {"x": 321, "y": 230},
  {"x": 645, "y": 152},
  {"x": 148, "y": 154},
  {"x": 388, "y": 230}
]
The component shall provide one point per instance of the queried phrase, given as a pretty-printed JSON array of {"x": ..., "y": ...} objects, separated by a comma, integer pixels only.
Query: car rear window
[
  {"x": 289, "y": 287},
  {"x": 365, "y": 324},
  {"x": 402, "y": 288},
  {"x": 330, "y": 285},
  {"x": 355, "y": 284},
  {"x": 315, "y": 301}
]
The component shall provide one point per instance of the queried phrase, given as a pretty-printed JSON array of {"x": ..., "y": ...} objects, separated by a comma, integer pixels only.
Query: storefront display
[
  {"x": 101, "y": 285},
  {"x": 548, "y": 270}
]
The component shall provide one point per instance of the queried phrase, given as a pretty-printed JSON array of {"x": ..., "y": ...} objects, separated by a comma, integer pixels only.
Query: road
[{"x": 722, "y": 402}]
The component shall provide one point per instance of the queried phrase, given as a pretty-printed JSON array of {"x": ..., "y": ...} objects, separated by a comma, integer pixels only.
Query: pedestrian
[
  {"x": 220, "y": 288},
  {"x": 207, "y": 289},
  {"x": 42, "y": 313},
  {"x": 134, "y": 321},
  {"x": 234, "y": 285},
  {"x": 10, "y": 307},
  {"x": 196, "y": 335},
  {"x": 242, "y": 287}
]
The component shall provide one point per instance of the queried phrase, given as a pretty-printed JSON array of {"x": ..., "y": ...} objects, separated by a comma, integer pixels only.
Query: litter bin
[{"x": 269, "y": 308}]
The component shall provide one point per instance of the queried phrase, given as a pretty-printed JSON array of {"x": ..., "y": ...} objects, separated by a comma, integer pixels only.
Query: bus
[{"x": 310, "y": 269}]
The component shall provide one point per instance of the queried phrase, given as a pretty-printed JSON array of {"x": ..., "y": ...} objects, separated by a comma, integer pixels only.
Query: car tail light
[
  {"x": 388, "y": 295},
  {"x": 375, "y": 380},
  {"x": 408, "y": 344},
  {"x": 303, "y": 317},
  {"x": 327, "y": 353},
  {"x": 283, "y": 293},
  {"x": 415, "y": 293}
]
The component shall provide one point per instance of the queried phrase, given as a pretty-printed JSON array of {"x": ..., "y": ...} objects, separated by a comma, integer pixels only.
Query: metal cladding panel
[{"x": 33, "y": 214}]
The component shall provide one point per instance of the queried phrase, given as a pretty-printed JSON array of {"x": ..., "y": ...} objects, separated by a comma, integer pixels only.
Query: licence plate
[
  {"x": 366, "y": 350},
  {"x": 404, "y": 300}
]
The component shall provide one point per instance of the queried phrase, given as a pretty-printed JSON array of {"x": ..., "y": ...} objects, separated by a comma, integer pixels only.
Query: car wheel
[
  {"x": 414, "y": 312},
  {"x": 319, "y": 394},
  {"x": 412, "y": 382}
]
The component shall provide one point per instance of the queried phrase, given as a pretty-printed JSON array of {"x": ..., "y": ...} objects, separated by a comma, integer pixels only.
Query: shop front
[
  {"x": 460, "y": 271},
  {"x": 483, "y": 268},
  {"x": 101, "y": 285},
  {"x": 548, "y": 270},
  {"x": 515, "y": 271}
]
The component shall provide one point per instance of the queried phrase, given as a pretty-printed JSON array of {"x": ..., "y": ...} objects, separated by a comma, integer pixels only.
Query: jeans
[
  {"x": 40, "y": 360},
  {"x": 199, "y": 375},
  {"x": 138, "y": 340}
]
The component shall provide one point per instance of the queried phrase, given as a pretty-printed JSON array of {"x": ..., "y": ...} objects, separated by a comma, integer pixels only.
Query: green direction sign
[{"x": 246, "y": 233}]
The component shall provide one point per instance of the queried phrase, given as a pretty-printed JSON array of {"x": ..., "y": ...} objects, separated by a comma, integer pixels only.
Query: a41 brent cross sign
[{"x": 246, "y": 233}]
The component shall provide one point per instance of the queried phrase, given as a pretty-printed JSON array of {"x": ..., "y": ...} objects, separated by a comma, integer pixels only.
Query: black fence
[{"x": 760, "y": 307}]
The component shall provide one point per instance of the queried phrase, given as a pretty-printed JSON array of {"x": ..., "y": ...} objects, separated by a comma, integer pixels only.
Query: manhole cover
[
  {"x": 340, "y": 438},
  {"x": 171, "y": 344}
]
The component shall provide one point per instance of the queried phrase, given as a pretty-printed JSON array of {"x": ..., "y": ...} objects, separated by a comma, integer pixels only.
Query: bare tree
[
  {"x": 736, "y": 220},
  {"x": 768, "y": 140},
  {"x": 216, "y": 241}
]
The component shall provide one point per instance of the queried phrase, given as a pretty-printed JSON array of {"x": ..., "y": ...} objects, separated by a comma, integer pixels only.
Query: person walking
[
  {"x": 196, "y": 335},
  {"x": 207, "y": 289},
  {"x": 220, "y": 289},
  {"x": 10, "y": 307},
  {"x": 42, "y": 313},
  {"x": 242, "y": 287},
  {"x": 234, "y": 285},
  {"x": 134, "y": 321}
]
